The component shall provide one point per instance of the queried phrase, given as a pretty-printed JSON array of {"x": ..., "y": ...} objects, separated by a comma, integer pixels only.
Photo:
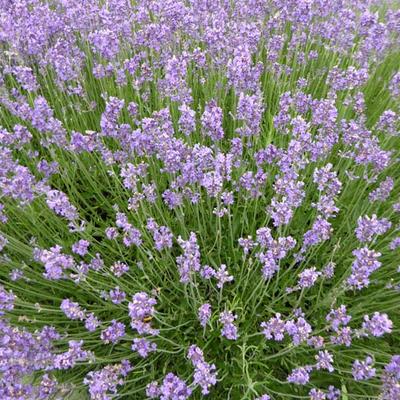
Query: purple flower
[
  {"x": 329, "y": 270},
  {"x": 247, "y": 244},
  {"x": 174, "y": 388},
  {"x": 299, "y": 330},
  {"x": 74, "y": 354},
  {"x": 343, "y": 336},
  {"x": 72, "y": 310},
  {"x": 211, "y": 121},
  {"x": 204, "y": 374},
  {"x": 395, "y": 243},
  {"x": 333, "y": 393},
  {"x": 60, "y": 204},
  {"x": 324, "y": 361},
  {"x": 91, "y": 322},
  {"x": 48, "y": 386},
  {"x": 190, "y": 260},
  {"x": 140, "y": 307},
  {"x": 80, "y": 247},
  {"x": 113, "y": 333},
  {"x": 300, "y": 376},
  {"x": 391, "y": 379},
  {"x": 119, "y": 268},
  {"x": 7, "y": 299},
  {"x": 365, "y": 263},
  {"x": 103, "y": 383},
  {"x": 143, "y": 346},
  {"x": 308, "y": 277},
  {"x": 378, "y": 325},
  {"x": 362, "y": 370},
  {"x": 229, "y": 330},
  {"x": 204, "y": 314},
  {"x": 153, "y": 390},
  {"x": 338, "y": 317},
  {"x": 162, "y": 238},
  {"x": 222, "y": 276},
  {"x": 54, "y": 262},
  {"x": 111, "y": 233},
  {"x": 317, "y": 394},
  {"x": 369, "y": 227},
  {"x": 187, "y": 119},
  {"x": 207, "y": 272},
  {"x": 117, "y": 296},
  {"x": 275, "y": 328},
  {"x": 382, "y": 192}
]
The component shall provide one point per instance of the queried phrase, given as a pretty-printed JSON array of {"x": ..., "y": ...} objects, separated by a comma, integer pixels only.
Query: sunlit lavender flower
[
  {"x": 365, "y": 263},
  {"x": 119, "y": 268},
  {"x": 143, "y": 346},
  {"x": 80, "y": 247},
  {"x": 190, "y": 260},
  {"x": 103, "y": 383},
  {"x": 229, "y": 330},
  {"x": 174, "y": 388},
  {"x": 308, "y": 277},
  {"x": 275, "y": 328},
  {"x": 223, "y": 276},
  {"x": 333, "y": 393},
  {"x": 153, "y": 390},
  {"x": 55, "y": 262},
  {"x": 324, "y": 361},
  {"x": 362, "y": 370},
  {"x": 113, "y": 333},
  {"x": 317, "y": 394},
  {"x": 117, "y": 296},
  {"x": 74, "y": 354},
  {"x": 204, "y": 314},
  {"x": 211, "y": 121},
  {"x": 60, "y": 204},
  {"x": 7, "y": 299},
  {"x": 378, "y": 324},
  {"x": 72, "y": 310},
  {"x": 382, "y": 192},
  {"x": 91, "y": 322},
  {"x": 204, "y": 374},
  {"x": 338, "y": 317},
  {"x": 299, "y": 330},
  {"x": 300, "y": 376},
  {"x": 368, "y": 227}
]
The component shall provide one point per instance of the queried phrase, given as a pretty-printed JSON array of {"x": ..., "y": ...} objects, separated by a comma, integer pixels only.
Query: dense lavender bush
[{"x": 199, "y": 198}]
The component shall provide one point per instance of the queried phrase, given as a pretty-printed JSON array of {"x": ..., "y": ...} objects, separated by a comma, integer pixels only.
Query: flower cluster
[{"x": 199, "y": 199}]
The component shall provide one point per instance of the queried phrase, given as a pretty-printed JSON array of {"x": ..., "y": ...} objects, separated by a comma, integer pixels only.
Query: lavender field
[{"x": 199, "y": 199}]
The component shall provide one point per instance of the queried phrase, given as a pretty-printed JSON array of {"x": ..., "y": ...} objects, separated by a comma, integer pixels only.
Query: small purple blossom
[
  {"x": 204, "y": 314},
  {"x": 317, "y": 394},
  {"x": 174, "y": 388},
  {"x": 369, "y": 227},
  {"x": 300, "y": 376},
  {"x": 377, "y": 325},
  {"x": 229, "y": 330},
  {"x": 72, "y": 310},
  {"x": 119, "y": 268},
  {"x": 113, "y": 333},
  {"x": 80, "y": 247},
  {"x": 223, "y": 276},
  {"x": 275, "y": 328},
  {"x": 362, "y": 370},
  {"x": 143, "y": 346},
  {"x": 324, "y": 361}
]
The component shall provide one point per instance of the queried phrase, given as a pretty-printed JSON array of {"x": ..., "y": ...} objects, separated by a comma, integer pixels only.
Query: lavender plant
[{"x": 199, "y": 199}]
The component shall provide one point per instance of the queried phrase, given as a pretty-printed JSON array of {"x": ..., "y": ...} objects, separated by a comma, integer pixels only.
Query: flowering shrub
[{"x": 199, "y": 199}]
